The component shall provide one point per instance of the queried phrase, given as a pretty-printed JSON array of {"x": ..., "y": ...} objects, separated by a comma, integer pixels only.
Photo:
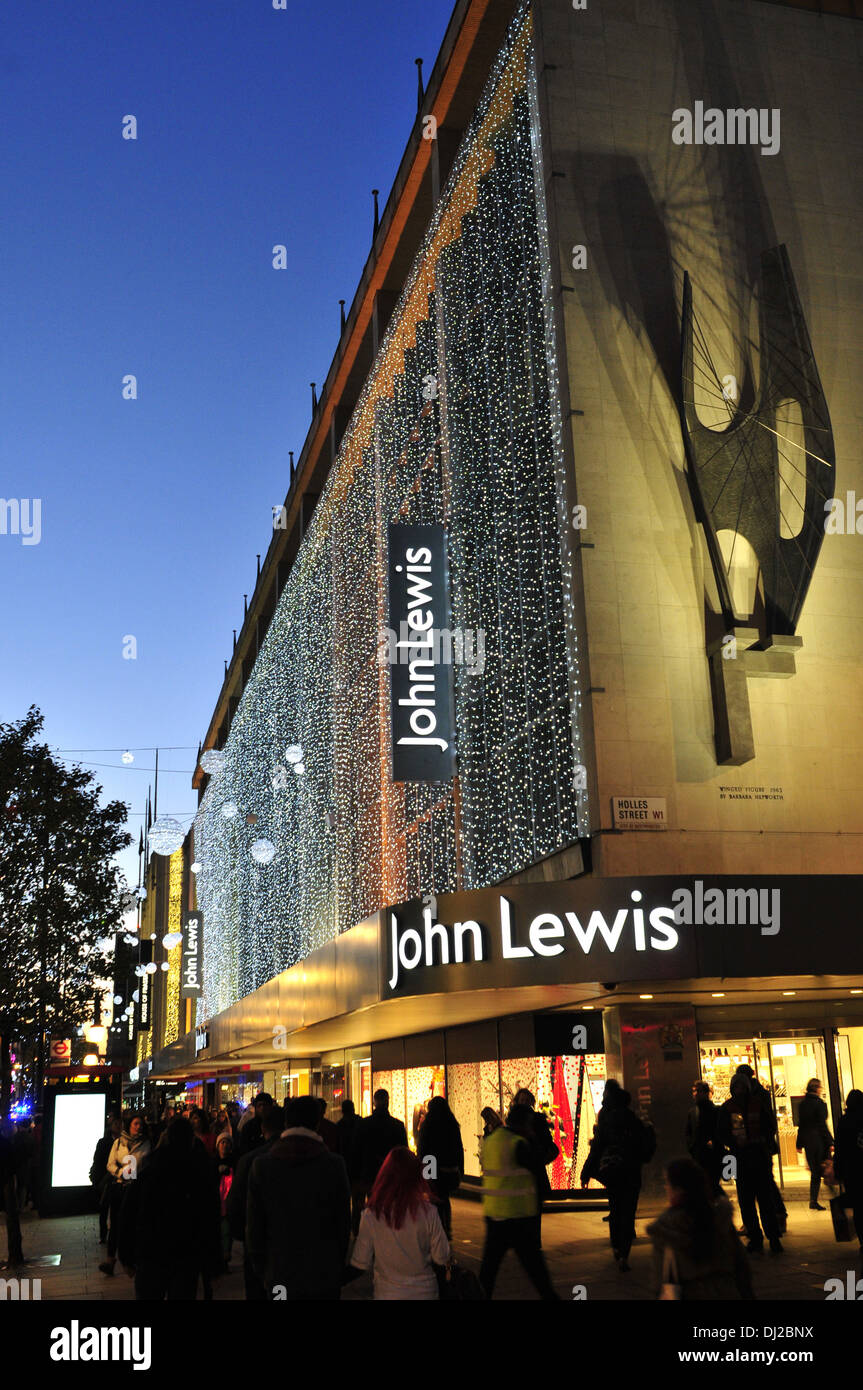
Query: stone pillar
[{"x": 652, "y": 1050}]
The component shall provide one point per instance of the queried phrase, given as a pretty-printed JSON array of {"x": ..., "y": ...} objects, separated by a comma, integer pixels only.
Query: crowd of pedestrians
[{"x": 313, "y": 1203}]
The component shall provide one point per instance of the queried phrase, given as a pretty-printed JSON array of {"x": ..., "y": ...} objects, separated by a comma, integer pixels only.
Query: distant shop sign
[
  {"x": 639, "y": 812},
  {"x": 191, "y": 986}
]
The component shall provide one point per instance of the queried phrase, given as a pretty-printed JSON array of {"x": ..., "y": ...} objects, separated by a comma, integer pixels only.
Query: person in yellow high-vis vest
[{"x": 510, "y": 1203}]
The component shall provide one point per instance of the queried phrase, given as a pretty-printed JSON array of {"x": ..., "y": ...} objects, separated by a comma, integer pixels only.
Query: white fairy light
[{"x": 484, "y": 458}]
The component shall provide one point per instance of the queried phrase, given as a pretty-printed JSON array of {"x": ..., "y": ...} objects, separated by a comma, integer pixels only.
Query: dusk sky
[{"x": 153, "y": 257}]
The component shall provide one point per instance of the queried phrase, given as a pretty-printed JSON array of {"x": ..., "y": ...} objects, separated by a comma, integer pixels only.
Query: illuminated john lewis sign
[
  {"x": 547, "y": 934},
  {"x": 191, "y": 978},
  {"x": 421, "y": 685},
  {"x": 614, "y": 930}
]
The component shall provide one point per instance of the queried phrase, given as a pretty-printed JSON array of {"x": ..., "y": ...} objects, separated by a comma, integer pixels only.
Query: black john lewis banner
[
  {"x": 145, "y": 986},
  {"x": 612, "y": 930},
  {"x": 192, "y": 967},
  {"x": 421, "y": 697}
]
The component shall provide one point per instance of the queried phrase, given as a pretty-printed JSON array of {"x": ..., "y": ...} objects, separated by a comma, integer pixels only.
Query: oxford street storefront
[{"x": 656, "y": 981}]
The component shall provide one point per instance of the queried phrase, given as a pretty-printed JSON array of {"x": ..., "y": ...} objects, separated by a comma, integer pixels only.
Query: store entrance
[{"x": 783, "y": 1064}]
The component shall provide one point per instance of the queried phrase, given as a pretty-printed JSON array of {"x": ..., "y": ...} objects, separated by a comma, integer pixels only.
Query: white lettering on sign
[
  {"x": 547, "y": 934},
  {"x": 639, "y": 812}
]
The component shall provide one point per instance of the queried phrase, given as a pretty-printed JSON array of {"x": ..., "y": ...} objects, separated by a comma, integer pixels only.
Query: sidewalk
[{"x": 576, "y": 1248}]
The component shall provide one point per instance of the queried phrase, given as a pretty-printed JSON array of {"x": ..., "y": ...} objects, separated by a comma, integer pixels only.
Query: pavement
[{"x": 64, "y": 1253}]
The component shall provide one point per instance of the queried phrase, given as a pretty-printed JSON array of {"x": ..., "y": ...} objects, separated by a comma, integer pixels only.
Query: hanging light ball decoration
[
  {"x": 151, "y": 968},
  {"x": 229, "y": 810},
  {"x": 118, "y": 998},
  {"x": 263, "y": 851},
  {"x": 212, "y": 761},
  {"x": 166, "y": 965},
  {"x": 196, "y": 867},
  {"x": 128, "y": 757},
  {"x": 172, "y": 939},
  {"x": 166, "y": 835},
  {"x": 294, "y": 754},
  {"x": 142, "y": 893}
]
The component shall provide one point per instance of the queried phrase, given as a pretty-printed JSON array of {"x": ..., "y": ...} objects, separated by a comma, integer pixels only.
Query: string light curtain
[
  {"x": 175, "y": 955},
  {"x": 458, "y": 424}
]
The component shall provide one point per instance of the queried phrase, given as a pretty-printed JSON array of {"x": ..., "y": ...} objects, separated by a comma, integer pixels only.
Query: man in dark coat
[
  {"x": 272, "y": 1124},
  {"x": 298, "y": 1215},
  {"x": 11, "y": 1163},
  {"x": 702, "y": 1137},
  {"x": 747, "y": 1129},
  {"x": 814, "y": 1138},
  {"x": 250, "y": 1135},
  {"x": 848, "y": 1157},
  {"x": 169, "y": 1227},
  {"x": 621, "y": 1144},
  {"x": 99, "y": 1173},
  {"x": 326, "y": 1129},
  {"x": 376, "y": 1136}
]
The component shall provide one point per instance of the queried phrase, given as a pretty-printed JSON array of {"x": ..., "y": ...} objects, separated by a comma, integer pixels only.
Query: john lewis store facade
[
  {"x": 500, "y": 988},
  {"x": 537, "y": 419}
]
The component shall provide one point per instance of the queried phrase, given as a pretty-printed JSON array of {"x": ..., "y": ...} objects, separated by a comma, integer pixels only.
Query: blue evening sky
[{"x": 154, "y": 257}]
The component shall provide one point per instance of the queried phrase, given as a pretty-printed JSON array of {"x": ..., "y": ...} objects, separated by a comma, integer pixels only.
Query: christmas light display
[
  {"x": 165, "y": 836},
  {"x": 459, "y": 425},
  {"x": 174, "y": 935}
]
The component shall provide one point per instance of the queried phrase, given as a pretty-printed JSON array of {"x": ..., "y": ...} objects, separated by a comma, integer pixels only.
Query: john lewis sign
[
  {"x": 192, "y": 960},
  {"x": 621, "y": 929},
  {"x": 421, "y": 701}
]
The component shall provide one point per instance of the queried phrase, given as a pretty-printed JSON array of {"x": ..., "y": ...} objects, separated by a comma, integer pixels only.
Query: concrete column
[{"x": 653, "y": 1053}]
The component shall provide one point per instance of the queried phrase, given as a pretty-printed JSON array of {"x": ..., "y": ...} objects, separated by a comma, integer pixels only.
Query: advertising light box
[{"x": 79, "y": 1123}]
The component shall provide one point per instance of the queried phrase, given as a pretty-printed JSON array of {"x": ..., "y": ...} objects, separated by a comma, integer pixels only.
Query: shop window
[
  {"x": 471, "y": 1086},
  {"x": 421, "y": 1083},
  {"x": 568, "y": 1090}
]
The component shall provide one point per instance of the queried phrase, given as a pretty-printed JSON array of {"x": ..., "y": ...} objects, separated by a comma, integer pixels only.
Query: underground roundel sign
[{"x": 61, "y": 1050}]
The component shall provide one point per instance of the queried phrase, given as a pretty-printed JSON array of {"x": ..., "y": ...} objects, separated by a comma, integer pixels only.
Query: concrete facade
[{"x": 646, "y": 209}]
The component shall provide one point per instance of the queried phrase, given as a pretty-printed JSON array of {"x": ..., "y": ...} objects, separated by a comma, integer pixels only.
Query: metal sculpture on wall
[{"x": 734, "y": 476}]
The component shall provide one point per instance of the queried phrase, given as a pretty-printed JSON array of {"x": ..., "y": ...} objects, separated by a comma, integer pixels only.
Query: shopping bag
[
  {"x": 457, "y": 1283},
  {"x": 843, "y": 1220},
  {"x": 671, "y": 1289}
]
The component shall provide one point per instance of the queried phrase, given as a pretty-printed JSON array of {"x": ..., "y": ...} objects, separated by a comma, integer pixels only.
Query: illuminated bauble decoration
[
  {"x": 294, "y": 754},
  {"x": 118, "y": 998},
  {"x": 151, "y": 968},
  {"x": 251, "y": 818},
  {"x": 196, "y": 867},
  {"x": 229, "y": 810},
  {"x": 136, "y": 996},
  {"x": 299, "y": 769},
  {"x": 165, "y": 965},
  {"x": 213, "y": 760},
  {"x": 166, "y": 836},
  {"x": 139, "y": 970},
  {"x": 142, "y": 893},
  {"x": 263, "y": 851},
  {"x": 172, "y": 939},
  {"x": 128, "y": 757}
]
